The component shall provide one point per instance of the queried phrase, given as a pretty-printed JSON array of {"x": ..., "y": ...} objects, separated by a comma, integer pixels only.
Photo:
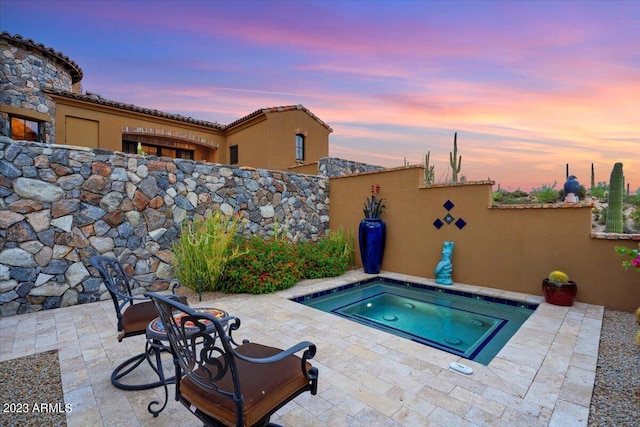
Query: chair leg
[
  {"x": 132, "y": 363},
  {"x": 157, "y": 348}
]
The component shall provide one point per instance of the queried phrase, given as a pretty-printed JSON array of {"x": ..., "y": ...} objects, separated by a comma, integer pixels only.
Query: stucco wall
[
  {"x": 512, "y": 248},
  {"x": 268, "y": 140},
  {"x": 113, "y": 122}
]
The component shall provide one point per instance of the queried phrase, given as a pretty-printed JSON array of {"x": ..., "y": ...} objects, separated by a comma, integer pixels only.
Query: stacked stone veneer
[
  {"x": 26, "y": 69},
  {"x": 59, "y": 206},
  {"x": 333, "y": 166}
]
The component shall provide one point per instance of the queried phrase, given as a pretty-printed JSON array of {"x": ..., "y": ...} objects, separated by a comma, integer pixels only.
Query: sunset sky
[{"x": 528, "y": 86}]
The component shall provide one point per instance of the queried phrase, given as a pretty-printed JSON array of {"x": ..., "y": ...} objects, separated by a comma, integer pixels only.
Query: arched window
[{"x": 299, "y": 147}]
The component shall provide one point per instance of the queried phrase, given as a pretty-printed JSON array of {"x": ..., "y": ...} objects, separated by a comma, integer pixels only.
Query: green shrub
[
  {"x": 602, "y": 218},
  {"x": 635, "y": 217},
  {"x": 328, "y": 257},
  {"x": 518, "y": 194},
  {"x": 633, "y": 199},
  {"x": 203, "y": 250},
  {"x": 547, "y": 193},
  {"x": 506, "y": 198},
  {"x": 265, "y": 266},
  {"x": 499, "y": 196},
  {"x": 600, "y": 191}
]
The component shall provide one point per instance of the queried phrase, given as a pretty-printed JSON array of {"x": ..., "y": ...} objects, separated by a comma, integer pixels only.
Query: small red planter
[{"x": 559, "y": 293}]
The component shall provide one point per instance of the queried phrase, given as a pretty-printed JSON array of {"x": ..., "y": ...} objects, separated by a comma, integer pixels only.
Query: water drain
[
  {"x": 453, "y": 341},
  {"x": 389, "y": 317}
]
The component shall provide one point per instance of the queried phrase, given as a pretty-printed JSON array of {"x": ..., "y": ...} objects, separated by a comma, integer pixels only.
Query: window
[
  {"x": 25, "y": 129},
  {"x": 299, "y": 147},
  {"x": 131, "y": 147},
  {"x": 233, "y": 154}
]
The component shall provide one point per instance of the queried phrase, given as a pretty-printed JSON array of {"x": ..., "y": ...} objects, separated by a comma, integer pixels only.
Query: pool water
[{"x": 471, "y": 326}]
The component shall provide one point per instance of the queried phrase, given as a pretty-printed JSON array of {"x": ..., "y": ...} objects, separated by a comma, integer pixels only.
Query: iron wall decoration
[{"x": 448, "y": 218}]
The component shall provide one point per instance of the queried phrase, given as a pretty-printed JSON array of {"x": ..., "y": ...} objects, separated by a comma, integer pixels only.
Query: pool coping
[
  {"x": 544, "y": 376},
  {"x": 548, "y": 365},
  {"x": 484, "y": 347}
]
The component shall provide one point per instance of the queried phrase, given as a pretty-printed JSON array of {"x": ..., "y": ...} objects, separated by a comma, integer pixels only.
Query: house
[{"x": 42, "y": 100}]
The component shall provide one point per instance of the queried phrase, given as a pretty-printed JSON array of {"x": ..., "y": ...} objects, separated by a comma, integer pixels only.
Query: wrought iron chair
[
  {"x": 134, "y": 314},
  {"x": 226, "y": 384}
]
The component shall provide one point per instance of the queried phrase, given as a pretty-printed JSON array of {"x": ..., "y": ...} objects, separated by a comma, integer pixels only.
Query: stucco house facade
[{"x": 42, "y": 100}]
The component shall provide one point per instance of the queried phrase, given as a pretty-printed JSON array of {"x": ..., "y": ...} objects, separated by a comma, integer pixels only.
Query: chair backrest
[
  {"x": 196, "y": 344},
  {"x": 115, "y": 279},
  {"x": 224, "y": 383}
]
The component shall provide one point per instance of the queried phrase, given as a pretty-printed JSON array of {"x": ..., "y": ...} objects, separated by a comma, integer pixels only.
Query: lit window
[
  {"x": 131, "y": 147},
  {"x": 233, "y": 154},
  {"x": 299, "y": 147},
  {"x": 25, "y": 129}
]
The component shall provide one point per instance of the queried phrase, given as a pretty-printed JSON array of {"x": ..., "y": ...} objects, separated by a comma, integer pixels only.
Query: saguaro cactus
[
  {"x": 593, "y": 177},
  {"x": 455, "y": 164},
  {"x": 429, "y": 170},
  {"x": 614, "y": 209}
]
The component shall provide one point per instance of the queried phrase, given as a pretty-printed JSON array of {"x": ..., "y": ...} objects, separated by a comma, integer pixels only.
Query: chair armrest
[
  {"x": 173, "y": 283},
  {"x": 128, "y": 298},
  {"x": 310, "y": 351}
]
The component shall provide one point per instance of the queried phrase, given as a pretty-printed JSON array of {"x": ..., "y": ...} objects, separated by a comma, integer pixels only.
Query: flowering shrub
[
  {"x": 266, "y": 266},
  {"x": 275, "y": 264},
  {"x": 633, "y": 253},
  {"x": 635, "y": 262}
]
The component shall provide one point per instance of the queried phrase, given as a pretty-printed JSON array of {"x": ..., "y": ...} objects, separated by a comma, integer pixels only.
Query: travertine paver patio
[{"x": 543, "y": 376}]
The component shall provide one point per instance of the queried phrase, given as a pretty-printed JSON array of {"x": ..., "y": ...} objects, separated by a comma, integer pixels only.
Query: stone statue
[{"x": 445, "y": 267}]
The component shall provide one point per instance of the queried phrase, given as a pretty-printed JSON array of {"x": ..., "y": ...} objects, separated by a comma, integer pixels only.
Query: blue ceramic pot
[
  {"x": 572, "y": 185},
  {"x": 372, "y": 235}
]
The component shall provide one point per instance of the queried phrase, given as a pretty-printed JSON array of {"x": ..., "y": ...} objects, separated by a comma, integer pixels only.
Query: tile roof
[
  {"x": 278, "y": 110},
  {"x": 74, "y": 69},
  {"x": 97, "y": 99}
]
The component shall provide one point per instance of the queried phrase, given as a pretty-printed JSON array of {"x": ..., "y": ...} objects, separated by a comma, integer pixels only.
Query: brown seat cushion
[
  {"x": 264, "y": 386},
  {"x": 136, "y": 317}
]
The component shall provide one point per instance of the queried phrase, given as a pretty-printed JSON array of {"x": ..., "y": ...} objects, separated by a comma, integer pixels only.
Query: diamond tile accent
[
  {"x": 448, "y": 218},
  {"x": 460, "y": 223}
]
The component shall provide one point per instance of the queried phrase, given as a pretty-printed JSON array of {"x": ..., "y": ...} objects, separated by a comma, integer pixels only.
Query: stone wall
[
  {"x": 333, "y": 166},
  {"x": 27, "y": 68},
  {"x": 60, "y": 205}
]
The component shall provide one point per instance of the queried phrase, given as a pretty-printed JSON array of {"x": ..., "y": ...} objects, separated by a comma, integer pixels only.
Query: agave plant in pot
[
  {"x": 558, "y": 289},
  {"x": 372, "y": 235}
]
